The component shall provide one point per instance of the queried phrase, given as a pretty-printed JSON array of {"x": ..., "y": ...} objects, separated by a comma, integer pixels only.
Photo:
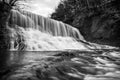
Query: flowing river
[{"x": 60, "y": 65}]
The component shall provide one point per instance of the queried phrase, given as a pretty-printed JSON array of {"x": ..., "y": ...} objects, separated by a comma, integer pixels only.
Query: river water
[
  {"x": 17, "y": 58},
  {"x": 60, "y": 65}
]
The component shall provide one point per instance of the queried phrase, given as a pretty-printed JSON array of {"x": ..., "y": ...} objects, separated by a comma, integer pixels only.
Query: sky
[{"x": 42, "y": 7}]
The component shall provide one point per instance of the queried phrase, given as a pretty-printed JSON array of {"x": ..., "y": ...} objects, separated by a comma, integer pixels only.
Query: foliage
[
  {"x": 68, "y": 10},
  {"x": 13, "y": 3},
  {"x": 6, "y": 6},
  {"x": 10, "y": 2},
  {"x": 96, "y": 19}
]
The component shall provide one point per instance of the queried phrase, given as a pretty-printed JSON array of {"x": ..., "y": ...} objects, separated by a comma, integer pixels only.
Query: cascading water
[
  {"x": 31, "y": 32},
  {"x": 55, "y": 28}
]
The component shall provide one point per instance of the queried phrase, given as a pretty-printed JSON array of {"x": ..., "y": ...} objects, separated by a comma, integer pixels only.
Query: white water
[
  {"x": 35, "y": 40},
  {"x": 30, "y": 32},
  {"x": 29, "y": 20}
]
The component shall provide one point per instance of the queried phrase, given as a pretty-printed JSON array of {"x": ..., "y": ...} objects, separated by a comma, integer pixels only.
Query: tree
[
  {"x": 69, "y": 9},
  {"x": 96, "y": 19}
]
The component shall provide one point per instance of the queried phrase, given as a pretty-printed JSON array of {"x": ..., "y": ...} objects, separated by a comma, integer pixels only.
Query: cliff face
[
  {"x": 100, "y": 29},
  {"x": 98, "y": 20},
  {"x": 102, "y": 25}
]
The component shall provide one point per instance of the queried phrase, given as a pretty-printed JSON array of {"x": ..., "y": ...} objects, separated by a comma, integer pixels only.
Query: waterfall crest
[
  {"x": 33, "y": 32},
  {"x": 56, "y": 28}
]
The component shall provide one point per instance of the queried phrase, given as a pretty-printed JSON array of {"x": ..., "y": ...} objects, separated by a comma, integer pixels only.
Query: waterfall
[{"x": 31, "y": 32}]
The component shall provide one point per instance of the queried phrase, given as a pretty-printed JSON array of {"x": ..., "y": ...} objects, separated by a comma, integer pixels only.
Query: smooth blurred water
[
  {"x": 29, "y": 65},
  {"x": 10, "y": 59},
  {"x": 31, "y": 32}
]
